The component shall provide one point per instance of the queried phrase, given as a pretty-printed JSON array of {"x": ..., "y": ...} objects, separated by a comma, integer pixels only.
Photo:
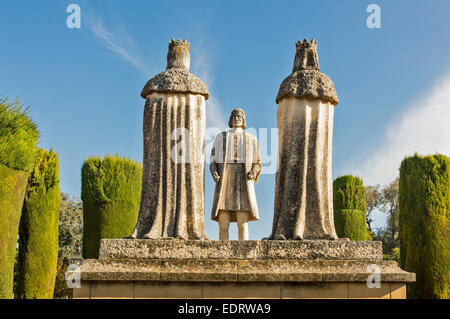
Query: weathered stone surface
[
  {"x": 175, "y": 80},
  {"x": 235, "y": 166},
  {"x": 172, "y": 199},
  {"x": 306, "y": 80},
  {"x": 314, "y": 291},
  {"x": 234, "y": 269},
  {"x": 310, "y": 84},
  {"x": 249, "y": 249},
  {"x": 258, "y": 290},
  {"x": 198, "y": 270},
  {"x": 210, "y": 270},
  {"x": 167, "y": 290},
  {"x": 303, "y": 187},
  {"x": 112, "y": 269}
]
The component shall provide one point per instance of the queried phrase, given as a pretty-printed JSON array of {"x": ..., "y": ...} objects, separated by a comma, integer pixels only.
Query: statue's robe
[
  {"x": 172, "y": 200},
  {"x": 227, "y": 165},
  {"x": 304, "y": 186}
]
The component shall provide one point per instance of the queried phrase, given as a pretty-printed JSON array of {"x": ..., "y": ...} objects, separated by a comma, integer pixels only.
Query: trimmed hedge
[
  {"x": 351, "y": 223},
  {"x": 18, "y": 138},
  {"x": 12, "y": 190},
  {"x": 424, "y": 234},
  {"x": 38, "y": 231},
  {"x": 349, "y": 201},
  {"x": 111, "y": 192}
]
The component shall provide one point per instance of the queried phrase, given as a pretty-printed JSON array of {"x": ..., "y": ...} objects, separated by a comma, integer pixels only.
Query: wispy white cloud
[
  {"x": 203, "y": 61},
  {"x": 424, "y": 128},
  {"x": 118, "y": 42}
]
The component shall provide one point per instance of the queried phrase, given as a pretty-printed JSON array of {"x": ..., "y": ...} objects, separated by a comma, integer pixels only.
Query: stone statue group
[{"x": 172, "y": 201}]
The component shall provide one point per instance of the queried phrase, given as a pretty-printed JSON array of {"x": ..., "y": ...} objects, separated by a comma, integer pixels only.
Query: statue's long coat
[
  {"x": 218, "y": 164},
  {"x": 172, "y": 200}
]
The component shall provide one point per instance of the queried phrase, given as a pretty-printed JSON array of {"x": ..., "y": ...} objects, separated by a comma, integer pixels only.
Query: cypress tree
[
  {"x": 424, "y": 220},
  {"x": 111, "y": 192},
  {"x": 38, "y": 230},
  {"x": 18, "y": 138},
  {"x": 349, "y": 200}
]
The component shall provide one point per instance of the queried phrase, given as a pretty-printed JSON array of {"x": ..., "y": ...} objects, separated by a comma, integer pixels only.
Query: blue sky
[{"x": 83, "y": 85}]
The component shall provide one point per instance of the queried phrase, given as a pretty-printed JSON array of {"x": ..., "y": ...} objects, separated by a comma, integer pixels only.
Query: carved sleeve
[
  {"x": 256, "y": 165},
  {"x": 212, "y": 162}
]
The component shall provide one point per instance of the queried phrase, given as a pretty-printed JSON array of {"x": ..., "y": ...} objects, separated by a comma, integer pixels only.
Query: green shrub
[
  {"x": 38, "y": 231},
  {"x": 18, "y": 137},
  {"x": 111, "y": 192},
  {"x": 12, "y": 190},
  {"x": 351, "y": 223},
  {"x": 349, "y": 193},
  {"x": 425, "y": 224},
  {"x": 349, "y": 201}
]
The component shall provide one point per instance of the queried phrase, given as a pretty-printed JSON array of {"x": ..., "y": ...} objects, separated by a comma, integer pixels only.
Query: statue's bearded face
[{"x": 237, "y": 120}]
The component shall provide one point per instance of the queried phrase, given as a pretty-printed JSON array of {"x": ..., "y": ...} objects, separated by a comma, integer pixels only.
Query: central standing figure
[{"x": 235, "y": 166}]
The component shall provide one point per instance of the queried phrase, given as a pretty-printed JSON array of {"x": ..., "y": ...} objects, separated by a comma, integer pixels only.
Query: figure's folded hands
[{"x": 216, "y": 177}]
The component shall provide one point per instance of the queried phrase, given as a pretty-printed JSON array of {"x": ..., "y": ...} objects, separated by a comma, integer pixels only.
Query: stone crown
[
  {"x": 305, "y": 44},
  {"x": 306, "y": 57},
  {"x": 306, "y": 80},
  {"x": 178, "y": 55},
  {"x": 173, "y": 43},
  {"x": 176, "y": 78}
]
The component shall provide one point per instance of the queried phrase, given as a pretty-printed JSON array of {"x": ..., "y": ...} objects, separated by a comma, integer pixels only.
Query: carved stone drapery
[
  {"x": 304, "y": 190},
  {"x": 172, "y": 200}
]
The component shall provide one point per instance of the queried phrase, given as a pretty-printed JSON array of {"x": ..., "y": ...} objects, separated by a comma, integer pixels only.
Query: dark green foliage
[
  {"x": 18, "y": 136},
  {"x": 350, "y": 223},
  {"x": 425, "y": 224},
  {"x": 12, "y": 190},
  {"x": 393, "y": 255},
  {"x": 349, "y": 193},
  {"x": 384, "y": 235},
  {"x": 110, "y": 191},
  {"x": 349, "y": 200},
  {"x": 38, "y": 232}
]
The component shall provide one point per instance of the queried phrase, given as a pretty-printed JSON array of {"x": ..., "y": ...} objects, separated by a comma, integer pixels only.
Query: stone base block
[
  {"x": 240, "y": 269},
  {"x": 176, "y": 290},
  {"x": 234, "y": 249}
]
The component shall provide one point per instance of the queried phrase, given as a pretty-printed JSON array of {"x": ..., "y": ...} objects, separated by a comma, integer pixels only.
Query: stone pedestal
[{"x": 239, "y": 269}]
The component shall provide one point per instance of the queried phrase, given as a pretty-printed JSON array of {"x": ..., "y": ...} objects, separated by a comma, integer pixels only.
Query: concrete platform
[
  {"x": 234, "y": 249},
  {"x": 240, "y": 269}
]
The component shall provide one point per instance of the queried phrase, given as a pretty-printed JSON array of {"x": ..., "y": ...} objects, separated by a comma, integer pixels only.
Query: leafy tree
[
  {"x": 385, "y": 199},
  {"x": 70, "y": 239},
  {"x": 390, "y": 206},
  {"x": 373, "y": 200}
]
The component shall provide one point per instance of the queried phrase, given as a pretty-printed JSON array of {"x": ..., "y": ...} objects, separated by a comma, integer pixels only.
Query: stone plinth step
[
  {"x": 240, "y": 250},
  {"x": 171, "y": 270}
]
